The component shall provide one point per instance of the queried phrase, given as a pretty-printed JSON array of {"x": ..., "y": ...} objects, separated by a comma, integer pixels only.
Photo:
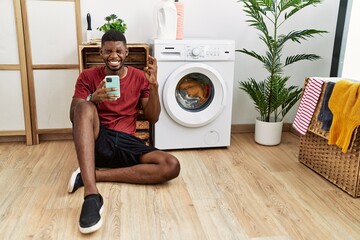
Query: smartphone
[{"x": 113, "y": 81}]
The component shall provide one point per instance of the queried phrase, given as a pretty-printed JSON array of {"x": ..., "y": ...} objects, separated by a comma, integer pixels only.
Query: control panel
[
  {"x": 194, "y": 50},
  {"x": 209, "y": 52}
]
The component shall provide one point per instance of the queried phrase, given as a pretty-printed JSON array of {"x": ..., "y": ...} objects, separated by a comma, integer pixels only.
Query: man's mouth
[{"x": 114, "y": 63}]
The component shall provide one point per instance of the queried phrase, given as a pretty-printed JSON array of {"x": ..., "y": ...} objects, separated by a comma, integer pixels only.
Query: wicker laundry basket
[{"x": 342, "y": 169}]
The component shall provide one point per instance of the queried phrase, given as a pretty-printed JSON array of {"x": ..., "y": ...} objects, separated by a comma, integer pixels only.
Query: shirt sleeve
[
  {"x": 82, "y": 87},
  {"x": 145, "y": 92}
]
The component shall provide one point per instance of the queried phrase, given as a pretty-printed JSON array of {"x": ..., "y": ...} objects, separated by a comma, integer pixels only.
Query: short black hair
[{"x": 113, "y": 35}]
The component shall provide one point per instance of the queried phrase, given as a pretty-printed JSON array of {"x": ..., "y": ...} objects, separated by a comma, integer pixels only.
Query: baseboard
[
  {"x": 250, "y": 128},
  {"x": 55, "y": 136},
  {"x": 293, "y": 131},
  {"x": 9, "y": 139}
]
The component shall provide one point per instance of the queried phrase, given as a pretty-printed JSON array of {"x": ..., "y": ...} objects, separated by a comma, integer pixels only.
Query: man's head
[
  {"x": 113, "y": 50},
  {"x": 113, "y": 35}
]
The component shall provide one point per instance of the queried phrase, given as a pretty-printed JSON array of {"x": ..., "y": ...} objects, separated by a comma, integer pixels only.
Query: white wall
[
  {"x": 351, "y": 48},
  {"x": 226, "y": 20}
]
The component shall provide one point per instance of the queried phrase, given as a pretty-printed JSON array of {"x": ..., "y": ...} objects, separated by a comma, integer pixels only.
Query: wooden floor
[{"x": 246, "y": 191}]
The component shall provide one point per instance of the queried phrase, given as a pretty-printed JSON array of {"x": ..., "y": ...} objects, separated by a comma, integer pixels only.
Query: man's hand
[
  {"x": 151, "y": 71},
  {"x": 101, "y": 93},
  {"x": 151, "y": 105}
]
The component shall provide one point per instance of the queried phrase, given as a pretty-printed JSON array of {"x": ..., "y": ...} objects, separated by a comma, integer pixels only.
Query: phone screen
[{"x": 113, "y": 81}]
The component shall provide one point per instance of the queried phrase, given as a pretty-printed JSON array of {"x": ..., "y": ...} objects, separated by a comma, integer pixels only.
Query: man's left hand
[{"x": 151, "y": 71}]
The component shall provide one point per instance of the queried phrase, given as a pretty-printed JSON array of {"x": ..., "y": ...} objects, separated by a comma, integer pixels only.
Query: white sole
[
  {"x": 71, "y": 183},
  {"x": 94, "y": 228},
  {"x": 91, "y": 229}
]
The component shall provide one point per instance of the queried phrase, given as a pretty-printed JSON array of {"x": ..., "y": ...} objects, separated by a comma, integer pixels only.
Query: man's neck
[{"x": 122, "y": 72}]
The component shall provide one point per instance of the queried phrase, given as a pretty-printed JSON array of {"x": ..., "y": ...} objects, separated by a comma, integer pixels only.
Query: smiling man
[{"x": 104, "y": 127}]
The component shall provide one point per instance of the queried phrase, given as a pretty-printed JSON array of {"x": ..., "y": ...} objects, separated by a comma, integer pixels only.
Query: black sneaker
[
  {"x": 75, "y": 181},
  {"x": 90, "y": 216}
]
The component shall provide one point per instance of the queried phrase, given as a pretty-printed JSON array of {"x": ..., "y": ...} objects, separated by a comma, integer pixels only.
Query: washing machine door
[{"x": 194, "y": 94}]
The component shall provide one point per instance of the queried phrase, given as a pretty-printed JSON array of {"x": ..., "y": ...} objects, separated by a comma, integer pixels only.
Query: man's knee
[
  {"x": 85, "y": 110},
  {"x": 172, "y": 168}
]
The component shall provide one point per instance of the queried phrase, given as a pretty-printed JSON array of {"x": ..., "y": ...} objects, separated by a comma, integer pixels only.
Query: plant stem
[{"x": 273, "y": 51}]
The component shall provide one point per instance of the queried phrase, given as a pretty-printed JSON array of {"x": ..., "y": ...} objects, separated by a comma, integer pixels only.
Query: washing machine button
[
  {"x": 212, "y": 138},
  {"x": 195, "y": 52}
]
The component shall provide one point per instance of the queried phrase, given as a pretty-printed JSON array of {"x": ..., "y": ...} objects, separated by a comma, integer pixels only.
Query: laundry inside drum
[{"x": 194, "y": 92}]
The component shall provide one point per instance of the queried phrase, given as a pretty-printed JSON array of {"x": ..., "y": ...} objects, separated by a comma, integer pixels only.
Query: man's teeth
[{"x": 114, "y": 63}]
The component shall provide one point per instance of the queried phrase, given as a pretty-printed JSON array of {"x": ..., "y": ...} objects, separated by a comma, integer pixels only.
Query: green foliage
[
  {"x": 272, "y": 97},
  {"x": 113, "y": 22}
]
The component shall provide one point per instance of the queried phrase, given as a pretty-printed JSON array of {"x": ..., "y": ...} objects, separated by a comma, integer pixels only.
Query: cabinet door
[{"x": 14, "y": 101}]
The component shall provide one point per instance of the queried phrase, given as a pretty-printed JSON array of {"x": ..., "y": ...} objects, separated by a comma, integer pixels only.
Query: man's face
[{"x": 113, "y": 54}]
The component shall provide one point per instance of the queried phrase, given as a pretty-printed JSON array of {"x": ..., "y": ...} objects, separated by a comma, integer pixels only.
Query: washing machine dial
[{"x": 195, "y": 52}]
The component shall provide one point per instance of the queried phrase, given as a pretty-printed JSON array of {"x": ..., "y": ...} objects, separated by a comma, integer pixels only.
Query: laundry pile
[{"x": 339, "y": 110}]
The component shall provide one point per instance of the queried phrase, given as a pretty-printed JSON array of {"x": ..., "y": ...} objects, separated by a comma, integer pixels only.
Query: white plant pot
[{"x": 268, "y": 133}]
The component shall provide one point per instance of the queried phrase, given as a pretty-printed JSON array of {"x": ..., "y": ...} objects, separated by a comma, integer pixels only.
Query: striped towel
[{"x": 307, "y": 105}]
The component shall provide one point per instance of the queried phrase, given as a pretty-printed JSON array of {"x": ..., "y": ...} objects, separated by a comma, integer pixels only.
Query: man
[{"x": 103, "y": 128}]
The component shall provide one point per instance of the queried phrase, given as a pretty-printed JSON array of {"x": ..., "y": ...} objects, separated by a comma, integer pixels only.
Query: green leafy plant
[
  {"x": 113, "y": 22},
  {"x": 272, "y": 97}
]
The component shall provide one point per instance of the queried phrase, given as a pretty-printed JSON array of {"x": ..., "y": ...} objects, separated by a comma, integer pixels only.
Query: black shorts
[{"x": 115, "y": 149}]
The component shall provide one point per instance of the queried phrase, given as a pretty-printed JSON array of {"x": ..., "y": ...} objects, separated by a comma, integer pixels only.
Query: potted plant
[
  {"x": 272, "y": 97},
  {"x": 113, "y": 22}
]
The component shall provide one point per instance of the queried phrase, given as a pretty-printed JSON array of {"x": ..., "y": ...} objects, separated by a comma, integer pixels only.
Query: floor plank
[{"x": 245, "y": 191}]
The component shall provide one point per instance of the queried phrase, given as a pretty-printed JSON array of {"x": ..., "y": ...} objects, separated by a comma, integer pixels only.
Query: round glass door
[{"x": 194, "y": 94}]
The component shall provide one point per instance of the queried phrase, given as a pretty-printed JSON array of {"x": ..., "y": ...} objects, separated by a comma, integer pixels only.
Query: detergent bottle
[
  {"x": 180, "y": 20},
  {"x": 166, "y": 18}
]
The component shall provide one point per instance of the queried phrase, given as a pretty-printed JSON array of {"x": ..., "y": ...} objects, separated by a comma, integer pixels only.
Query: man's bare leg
[
  {"x": 155, "y": 167},
  {"x": 86, "y": 130}
]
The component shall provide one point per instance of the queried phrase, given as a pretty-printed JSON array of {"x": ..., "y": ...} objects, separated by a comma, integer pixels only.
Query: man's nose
[{"x": 114, "y": 54}]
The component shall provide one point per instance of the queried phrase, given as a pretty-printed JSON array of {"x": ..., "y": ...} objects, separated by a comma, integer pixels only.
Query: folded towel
[
  {"x": 344, "y": 104},
  {"x": 307, "y": 105},
  {"x": 325, "y": 115}
]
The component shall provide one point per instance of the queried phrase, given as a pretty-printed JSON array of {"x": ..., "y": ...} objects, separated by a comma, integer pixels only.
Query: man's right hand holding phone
[{"x": 102, "y": 93}]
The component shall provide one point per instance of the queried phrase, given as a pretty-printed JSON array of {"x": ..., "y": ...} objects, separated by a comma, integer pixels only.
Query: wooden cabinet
[
  {"x": 89, "y": 56},
  {"x": 137, "y": 57}
]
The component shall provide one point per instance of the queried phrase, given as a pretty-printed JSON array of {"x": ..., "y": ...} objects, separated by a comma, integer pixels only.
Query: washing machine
[{"x": 196, "y": 87}]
